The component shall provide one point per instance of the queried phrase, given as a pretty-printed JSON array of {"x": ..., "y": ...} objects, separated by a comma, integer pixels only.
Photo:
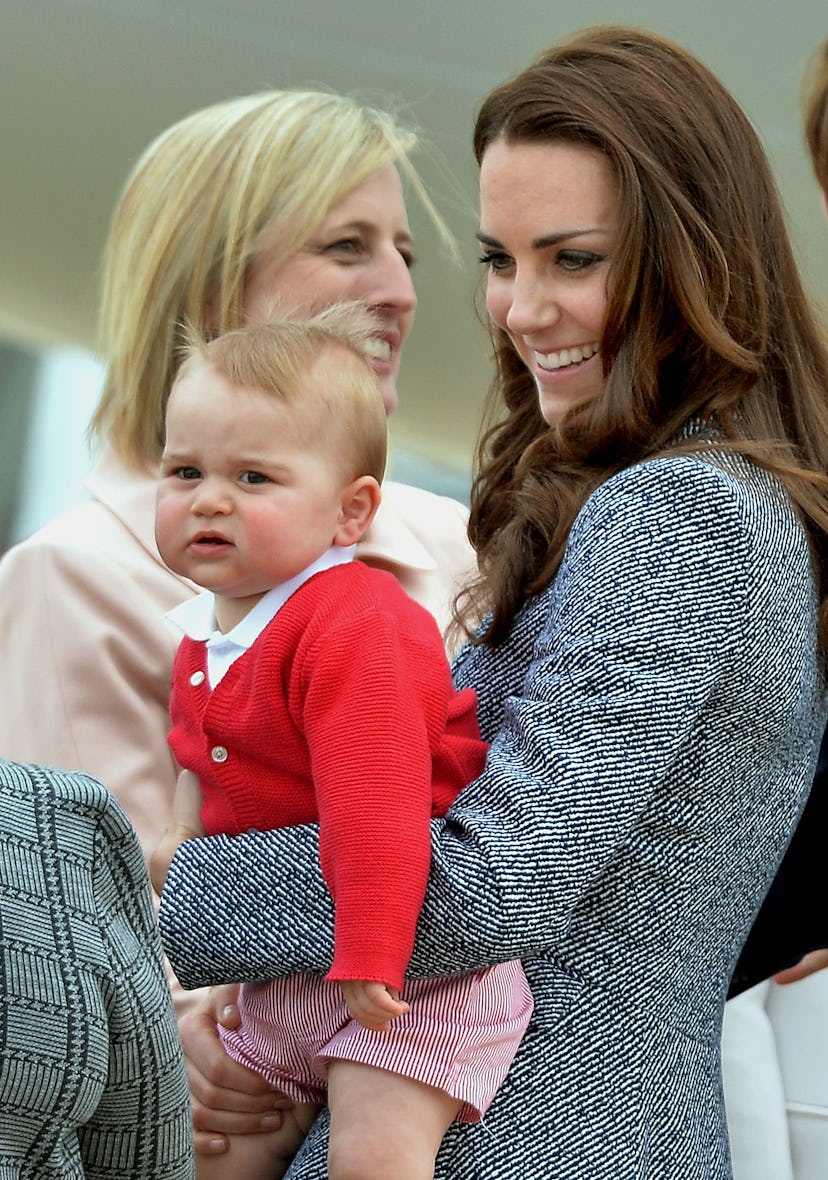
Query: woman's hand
[
  {"x": 227, "y": 1098},
  {"x": 185, "y": 824},
  {"x": 815, "y": 961},
  {"x": 165, "y": 850}
]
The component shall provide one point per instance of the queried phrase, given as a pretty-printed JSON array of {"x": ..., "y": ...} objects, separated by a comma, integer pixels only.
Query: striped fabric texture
[
  {"x": 654, "y": 718},
  {"x": 92, "y": 1081},
  {"x": 461, "y": 1034}
]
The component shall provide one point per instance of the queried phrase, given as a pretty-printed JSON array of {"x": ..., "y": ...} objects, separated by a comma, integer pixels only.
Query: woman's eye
[
  {"x": 496, "y": 260},
  {"x": 254, "y": 477},
  {"x": 577, "y": 259},
  {"x": 344, "y": 246}
]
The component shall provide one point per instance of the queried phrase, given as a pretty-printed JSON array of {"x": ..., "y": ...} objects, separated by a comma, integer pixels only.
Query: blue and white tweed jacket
[
  {"x": 655, "y": 717},
  {"x": 92, "y": 1081}
]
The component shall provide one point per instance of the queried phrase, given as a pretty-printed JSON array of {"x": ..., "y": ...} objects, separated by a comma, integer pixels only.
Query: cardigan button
[
  {"x": 219, "y": 754},
  {"x": 197, "y": 678}
]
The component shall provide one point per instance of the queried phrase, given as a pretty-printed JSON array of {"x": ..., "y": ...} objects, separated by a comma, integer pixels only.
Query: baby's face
[{"x": 245, "y": 501}]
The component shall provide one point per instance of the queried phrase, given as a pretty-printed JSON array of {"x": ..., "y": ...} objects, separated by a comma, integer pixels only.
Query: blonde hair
[
  {"x": 194, "y": 214},
  {"x": 320, "y": 366},
  {"x": 816, "y": 115}
]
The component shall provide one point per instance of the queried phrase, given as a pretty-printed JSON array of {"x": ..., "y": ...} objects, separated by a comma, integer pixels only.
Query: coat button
[
  {"x": 218, "y": 754},
  {"x": 197, "y": 678}
]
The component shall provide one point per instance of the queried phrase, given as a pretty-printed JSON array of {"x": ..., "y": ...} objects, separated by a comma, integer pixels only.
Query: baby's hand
[{"x": 371, "y": 1004}]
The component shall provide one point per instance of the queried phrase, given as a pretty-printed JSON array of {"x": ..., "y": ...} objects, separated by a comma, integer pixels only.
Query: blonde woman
[
  {"x": 294, "y": 196},
  {"x": 288, "y": 196}
]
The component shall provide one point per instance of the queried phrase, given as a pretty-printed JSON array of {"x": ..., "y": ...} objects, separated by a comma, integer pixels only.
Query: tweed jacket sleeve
[
  {"x": 671, "y": 594},
  {"x": 92, "y": 1081}
]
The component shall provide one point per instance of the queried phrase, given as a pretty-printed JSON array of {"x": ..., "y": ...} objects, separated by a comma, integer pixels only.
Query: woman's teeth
[
  {"x": 378, "y": 350},
  {"x": 566, "y": 356}
]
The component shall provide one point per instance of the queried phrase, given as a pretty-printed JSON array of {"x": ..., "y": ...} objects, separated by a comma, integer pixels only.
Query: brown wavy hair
[{"x": 706, "y": 316}]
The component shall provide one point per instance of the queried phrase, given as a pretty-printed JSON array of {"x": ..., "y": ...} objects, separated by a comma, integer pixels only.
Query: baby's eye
[
  {"x": 254, "y": 477},
  {"x": 187, "y": 473}
]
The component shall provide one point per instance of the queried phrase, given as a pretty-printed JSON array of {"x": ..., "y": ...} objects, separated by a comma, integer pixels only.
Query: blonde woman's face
[{"x": 362, "y": 250}]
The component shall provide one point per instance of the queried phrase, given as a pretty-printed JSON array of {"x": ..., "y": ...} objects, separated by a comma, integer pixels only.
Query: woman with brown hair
[{"x": 649, "y": 513}]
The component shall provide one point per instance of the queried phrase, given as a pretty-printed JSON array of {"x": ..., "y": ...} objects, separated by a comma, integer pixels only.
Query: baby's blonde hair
[
  {"x": 319, "y": 366},
  {"x": 196, "y": 211}
]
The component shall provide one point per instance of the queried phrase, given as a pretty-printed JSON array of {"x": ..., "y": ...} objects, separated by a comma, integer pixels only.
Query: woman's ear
[{"x": 360, "y": 501}]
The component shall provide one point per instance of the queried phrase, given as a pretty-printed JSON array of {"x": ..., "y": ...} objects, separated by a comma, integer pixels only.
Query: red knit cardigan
[{"x": 343, "y": 712}]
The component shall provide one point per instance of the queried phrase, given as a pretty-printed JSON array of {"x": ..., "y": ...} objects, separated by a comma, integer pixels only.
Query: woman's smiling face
[
  {"x": 549, "y": 216},
  {"x": 363, "y": 251}
]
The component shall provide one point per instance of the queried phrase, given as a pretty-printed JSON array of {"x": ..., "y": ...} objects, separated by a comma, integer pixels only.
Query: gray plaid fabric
[
  {"x": 655, "y": 717},
  {"x": 92, "y": 1081}
]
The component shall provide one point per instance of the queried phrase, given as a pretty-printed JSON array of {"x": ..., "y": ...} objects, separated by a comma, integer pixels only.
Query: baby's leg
[
  {"x": 261, "y": 1157},
  {"x": 383, "y": 1126}
]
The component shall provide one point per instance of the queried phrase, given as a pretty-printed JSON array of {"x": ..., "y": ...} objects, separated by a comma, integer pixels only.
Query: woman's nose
[
  {"x": 391, "y": 283},
  {"x": 533, "y": 307}
]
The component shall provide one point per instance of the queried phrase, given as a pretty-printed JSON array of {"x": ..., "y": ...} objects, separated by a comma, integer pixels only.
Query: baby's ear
[{"x": 360, "y": 502}]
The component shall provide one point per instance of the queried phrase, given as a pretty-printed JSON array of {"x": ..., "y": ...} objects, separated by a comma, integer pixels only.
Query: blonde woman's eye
[{"x": 345, "y": 246}]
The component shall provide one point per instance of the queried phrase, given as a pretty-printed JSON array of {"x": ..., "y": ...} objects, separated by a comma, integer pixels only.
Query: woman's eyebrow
[{"x": 545, "y": 241}]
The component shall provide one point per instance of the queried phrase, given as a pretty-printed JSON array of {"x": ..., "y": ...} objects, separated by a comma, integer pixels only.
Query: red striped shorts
[{"x": 460, "y": 1036}]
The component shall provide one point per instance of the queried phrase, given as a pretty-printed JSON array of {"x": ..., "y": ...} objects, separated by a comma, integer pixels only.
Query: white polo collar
[{"x": 197, "y": 616}]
